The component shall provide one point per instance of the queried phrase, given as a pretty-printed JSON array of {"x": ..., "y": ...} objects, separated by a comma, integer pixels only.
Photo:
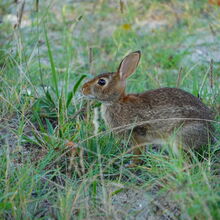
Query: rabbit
[{"x": 151, "y": 117}]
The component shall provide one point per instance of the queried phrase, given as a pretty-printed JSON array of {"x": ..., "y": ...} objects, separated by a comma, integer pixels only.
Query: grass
[{"x": 53, "y": 165}]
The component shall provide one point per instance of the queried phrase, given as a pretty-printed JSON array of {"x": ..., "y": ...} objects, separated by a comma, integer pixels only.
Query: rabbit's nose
[{"x": 84, "y": 89}]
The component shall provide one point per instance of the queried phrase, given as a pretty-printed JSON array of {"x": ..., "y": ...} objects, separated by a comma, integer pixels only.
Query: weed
[{"x": 54, "y": 164}]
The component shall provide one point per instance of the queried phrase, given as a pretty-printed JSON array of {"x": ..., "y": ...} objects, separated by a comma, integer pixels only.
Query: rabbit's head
[{"x": 110, "y": 87}]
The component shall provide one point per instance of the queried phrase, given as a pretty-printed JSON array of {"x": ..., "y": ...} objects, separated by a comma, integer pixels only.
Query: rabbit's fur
[{"x": 153, "y": 116}]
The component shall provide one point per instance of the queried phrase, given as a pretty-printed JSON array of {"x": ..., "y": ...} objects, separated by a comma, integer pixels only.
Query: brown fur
[{"x": 154, "y": 114}]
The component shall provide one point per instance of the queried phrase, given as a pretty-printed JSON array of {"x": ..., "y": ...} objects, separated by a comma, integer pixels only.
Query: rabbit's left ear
[{"x": 129, "y": 64}]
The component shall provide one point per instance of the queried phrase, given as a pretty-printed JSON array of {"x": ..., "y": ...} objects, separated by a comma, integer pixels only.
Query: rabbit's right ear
[{"x": 129, "y": 64}]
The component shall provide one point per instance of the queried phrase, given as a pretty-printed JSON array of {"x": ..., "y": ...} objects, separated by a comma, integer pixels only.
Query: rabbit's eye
[{"x": 101, "y": 82}]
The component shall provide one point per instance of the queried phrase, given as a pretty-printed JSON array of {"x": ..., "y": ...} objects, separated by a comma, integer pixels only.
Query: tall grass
[{"x": 53, "y": 165}]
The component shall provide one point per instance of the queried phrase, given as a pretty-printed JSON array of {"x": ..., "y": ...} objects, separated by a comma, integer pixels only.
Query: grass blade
[
  {"x": 53, "y": 69},
  {"x": 78, "y": 83},
  {"x": 76, "y": 86}
]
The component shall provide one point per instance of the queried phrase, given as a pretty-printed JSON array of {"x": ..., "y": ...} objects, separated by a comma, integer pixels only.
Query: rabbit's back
[
  {"x": 163, "y": 108},
  {"x": 175, "y": 102}
]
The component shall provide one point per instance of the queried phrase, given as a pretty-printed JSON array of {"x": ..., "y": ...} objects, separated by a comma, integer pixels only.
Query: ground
[{"x": 58, "y": 159}]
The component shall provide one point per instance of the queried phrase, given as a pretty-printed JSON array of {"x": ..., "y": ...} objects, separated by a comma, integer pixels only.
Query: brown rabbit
[{"x": 153, "y": 116}]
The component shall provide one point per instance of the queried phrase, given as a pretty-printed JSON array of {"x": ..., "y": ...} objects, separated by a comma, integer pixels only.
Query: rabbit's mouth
[{"x": 90, "y": 96}]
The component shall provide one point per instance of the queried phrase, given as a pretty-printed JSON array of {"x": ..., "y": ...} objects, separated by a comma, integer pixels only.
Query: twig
[
  {"x": 212, "y": 30},
  {"x": 179, "y": 77},
  {"x": 91, "y": 60},
  {"x": 121, "y": 6},
  {"x": 37, "y": 5},
  {"x": 52, "y": 182},
  {"x": 211, "y": 74},
  {"x": 90, "y": 55},
  {"x": 20, "y": 14}
]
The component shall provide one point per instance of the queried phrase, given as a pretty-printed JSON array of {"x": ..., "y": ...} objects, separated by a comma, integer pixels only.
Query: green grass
[{"x": 42, "y": 67}]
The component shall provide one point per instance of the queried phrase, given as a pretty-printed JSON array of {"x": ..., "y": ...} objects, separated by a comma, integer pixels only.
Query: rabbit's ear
[{"x": 128, "y": 64}]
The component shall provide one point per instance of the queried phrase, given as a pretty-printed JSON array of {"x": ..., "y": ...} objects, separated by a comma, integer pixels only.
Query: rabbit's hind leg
[
  {"x": 138, "y": 144},
  {"x": 193, "y": 135},
  {"x": 137, "y": 151}
]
